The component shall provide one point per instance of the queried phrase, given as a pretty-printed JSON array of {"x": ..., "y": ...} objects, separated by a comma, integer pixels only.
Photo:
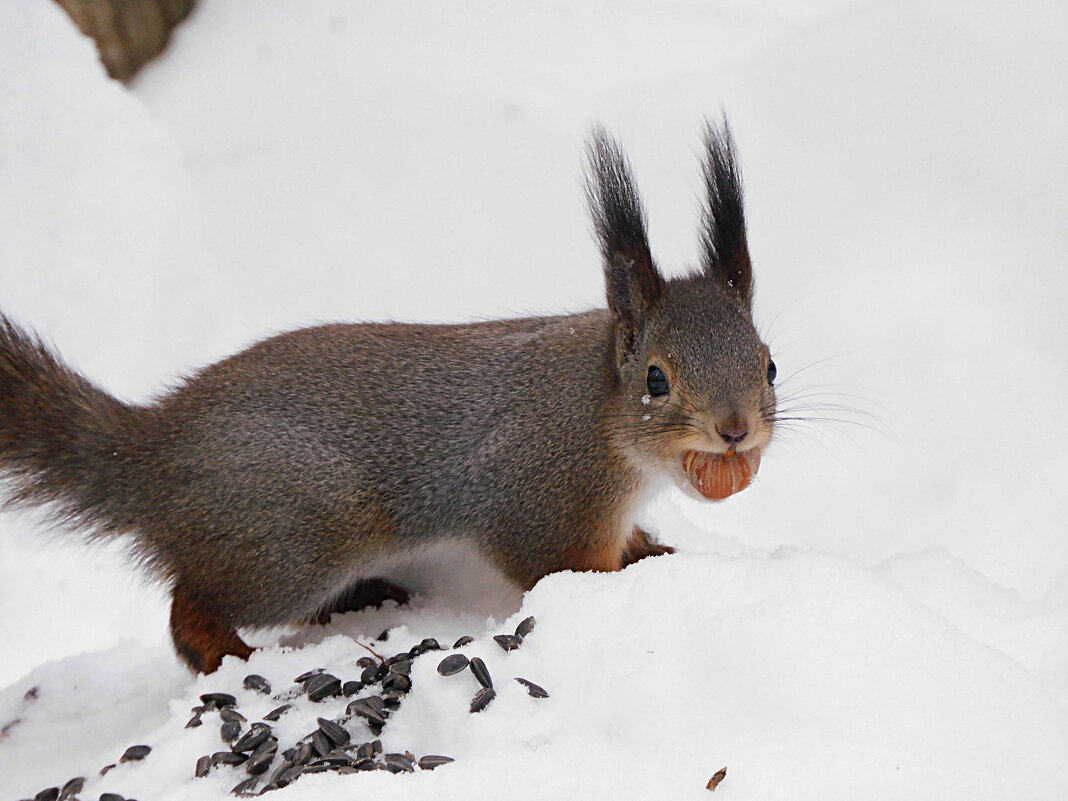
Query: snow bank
[
  {"x": 804, "y": 674},
  {"x": 877, "y": 617}
]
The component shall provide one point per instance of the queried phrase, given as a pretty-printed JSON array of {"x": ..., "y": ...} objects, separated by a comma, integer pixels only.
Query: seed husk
[
  {"x": 111, "y": 797},
  {"x": 478, "y": 667},
  {"x": 106, "y": 768},
  {"x": 72, "y": 787},
  {"x": 452, "y": 664},
  {"x": 509, "y": 642},
  {"x": 303, "y": 677},
  {"x": 526, "y": 625},
  {"x": 203, "y": 766},
  {"x": 482, "y": 699},
  {"x": 49, "y": 794},
  {"x": 465, "y": 640},
  {"x": 717, "y": 777},
  {"x": 533, "y": 689},
  {"x": 276, "y": 713},
  {"x": 246, "y": 786}
]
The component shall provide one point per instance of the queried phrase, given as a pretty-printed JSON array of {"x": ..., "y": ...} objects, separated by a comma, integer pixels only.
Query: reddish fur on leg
[
  {"x": 640, "y": 546},
  {"x": 201, "y": 637}
]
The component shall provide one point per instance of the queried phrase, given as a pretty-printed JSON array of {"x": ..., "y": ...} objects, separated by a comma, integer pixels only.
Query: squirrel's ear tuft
[
  {"x": 633, "y": 284},
  {"x": 724, "y": 250}
]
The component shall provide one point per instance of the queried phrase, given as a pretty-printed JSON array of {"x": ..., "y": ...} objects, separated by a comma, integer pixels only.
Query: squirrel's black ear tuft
[
  {"x": 633, "y": 284},
  {"x": 724, "y": 250}
]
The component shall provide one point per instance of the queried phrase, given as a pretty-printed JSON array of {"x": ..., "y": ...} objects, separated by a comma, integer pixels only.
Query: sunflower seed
[
  {"x": 373, "y": 674},
  {"x": 135, "y": 753},
  {"x": 228, "y": 758},
  {"x": 253, "y": 738},
  {"x": 111, "y": 797},
  {"x": 337, "y": 733},
  {"x": 230, "y": 731},
  {"x": 371, "y": 709},
  {"x": 219, "y": 699},
  {"x": 262, "y": 757},
  {"x": 526, "y": 625},
  {"x": 482, "y": 699},
  {"x": 399, "y": 763},
  {"x": 51, "y": 794},
  {"x": 322, "y": 686},
  {"x": 203, "y": 766},
  {"x": 257, "y": 683},
  {"x": 304, "y": 753},
  {"x": 478, "y": 667},
  {"x": 431, "y": 761},
  {"x": 229, "y": 715},
  {"x": 465, "y": 640},
  {"x": 321, "y": 743},
  {"x": 397, "y": 683},
  {"x": 452, "y": 664}
]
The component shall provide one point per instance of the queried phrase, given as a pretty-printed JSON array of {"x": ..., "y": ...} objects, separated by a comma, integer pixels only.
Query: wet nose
[{"x": 733, "y": 429}]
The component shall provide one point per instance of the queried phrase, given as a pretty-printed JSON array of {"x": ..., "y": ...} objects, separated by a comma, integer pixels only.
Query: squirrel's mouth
[{"x": 719, "y": 475}]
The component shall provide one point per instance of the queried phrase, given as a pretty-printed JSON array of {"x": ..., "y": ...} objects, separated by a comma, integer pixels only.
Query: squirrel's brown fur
[{"x": 266, "y": 489}]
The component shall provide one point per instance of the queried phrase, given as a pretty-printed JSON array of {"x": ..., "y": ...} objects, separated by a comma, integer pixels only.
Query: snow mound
[{"x": 805, "y": 675}]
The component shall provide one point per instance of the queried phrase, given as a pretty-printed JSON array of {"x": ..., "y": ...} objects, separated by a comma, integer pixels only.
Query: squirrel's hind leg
[
  {"x": 200, "y": 636},
  {"x": 362, "y": 594},
  {"x": 640, "y": 546}
]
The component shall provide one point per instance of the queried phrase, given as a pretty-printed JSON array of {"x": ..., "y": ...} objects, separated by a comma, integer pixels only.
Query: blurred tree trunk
[{"x": 128, "y": 33}]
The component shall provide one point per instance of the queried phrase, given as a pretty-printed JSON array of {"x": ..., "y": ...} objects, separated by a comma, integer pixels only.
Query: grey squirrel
[{"x": 276, "y": 485}]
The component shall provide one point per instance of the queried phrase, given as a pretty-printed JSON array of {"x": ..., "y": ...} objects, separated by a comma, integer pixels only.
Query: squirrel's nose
[{"x": 733, "y": 429}]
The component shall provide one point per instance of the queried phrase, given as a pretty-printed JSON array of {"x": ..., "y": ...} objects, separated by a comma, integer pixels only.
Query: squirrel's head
[{"x": 695, "y": 395}]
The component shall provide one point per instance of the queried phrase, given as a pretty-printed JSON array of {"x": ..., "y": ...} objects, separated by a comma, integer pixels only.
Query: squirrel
[{"x": 276, "y": 485}]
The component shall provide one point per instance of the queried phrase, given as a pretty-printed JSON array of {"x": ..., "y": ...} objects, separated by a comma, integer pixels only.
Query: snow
[{"x": 884, "y": 613}]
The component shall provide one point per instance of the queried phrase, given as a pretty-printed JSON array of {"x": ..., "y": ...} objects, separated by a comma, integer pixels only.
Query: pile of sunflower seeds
[
  {"x": 330, "y": 747},
  {"x": 253, "y": 749}
]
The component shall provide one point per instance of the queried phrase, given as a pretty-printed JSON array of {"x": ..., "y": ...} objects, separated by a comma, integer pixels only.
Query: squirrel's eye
[
  {"x": 772, "y": 372},
  {"x": 657, "y": 382}
]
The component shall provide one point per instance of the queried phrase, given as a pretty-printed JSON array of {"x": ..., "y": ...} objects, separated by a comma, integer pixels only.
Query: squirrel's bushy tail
[{"x": 63, "y": 440}]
